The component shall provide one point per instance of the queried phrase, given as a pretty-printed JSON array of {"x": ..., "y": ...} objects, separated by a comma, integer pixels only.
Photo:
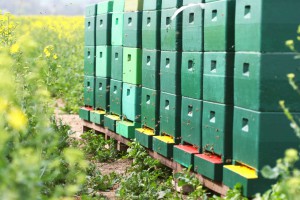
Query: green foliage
[
  {"x": 147, "y": 178},
  {"x": 99, "y": 149},
  {"x": 35, "y": 160}
]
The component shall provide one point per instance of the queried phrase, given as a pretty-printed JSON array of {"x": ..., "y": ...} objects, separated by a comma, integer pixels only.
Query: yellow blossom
[
  {"x": 55, "y": 56},
  {"x": 289, "y": 42},
  {"x": 291, "y": 76},
  {"x": 15, "y": 48},
  {"x": 17, "y": 119}
]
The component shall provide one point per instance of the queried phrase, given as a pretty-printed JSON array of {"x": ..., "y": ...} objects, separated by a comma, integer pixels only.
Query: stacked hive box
[
  {"x": 132, "y": 69},
  {"x": 103, "y": 61},
  {"x": 217, "y": 88},
  {"x": 116, "y": 63},
  {"x": 191, "y": 84},
  {"x": 150, "y": 73},
  {"x": 261, "y": 132},
  {"x": 170, "y": 62},
  {"x": 89, "y": 62},
  {"x": 212, "y": 88}
]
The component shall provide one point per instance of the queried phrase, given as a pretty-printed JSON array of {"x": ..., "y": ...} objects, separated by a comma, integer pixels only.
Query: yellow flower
[
  {"x": 55, "y": 57},
  {"x": 47, "y": 50},
  {"x": 17, "y": 119},
  {"x": 289, "y": 43},
  {"x": 15, "y": 48},
  {"x": 291, "y": 76}
]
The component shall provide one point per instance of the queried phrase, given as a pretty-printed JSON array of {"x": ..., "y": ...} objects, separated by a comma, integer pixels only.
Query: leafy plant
[{"x": 97, "y": 148}]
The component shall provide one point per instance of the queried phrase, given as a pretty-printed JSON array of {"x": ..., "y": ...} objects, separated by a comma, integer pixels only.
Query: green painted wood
[
  {"x": 132, "y": 36},
  {"x": 103, "y": 29},
  {"x": 260, "y": 81},
  {"x": 110, "y": 122},
  {"x": 97, "y": 117},
  {"x": 217, "y": 129},
  {"x": 260, "y": 138},
  {"x": 192, "y": 31},
  {"x": 218, "y": 77},
  {"x": 165, "y": 149},
  {"x": 89, "y": 31},
  {"x": 115, "y": 97},
  {"x": 170, "y": 72},
  {"x": 131, "y": 100},
  {"x": 152, "y": 5},
  {"x": 132, "y": 65},
  {"x": 170, "y": 113},
  {"x": 145, "y": 140},
  {"x": 257, "y": 20},
  {"x": 213, "y": 171},
  {"x": 105, "y": 7},
  {"x": 118, "y": 6},
  {"x": 150, "y": 69},
  {"x": 103, "y": 61},
  {"x": 219, "y": 26},
  {"x": 166, "y": 4},
  {"x": 117, "y": 29},
  {"x": 151, "y": 29},
  {"x": 127, "y": 129},
  {"x": 84, "y": 114},
  {"x": 171, "y": 31},
  {"x": 191, "y": 121},
  {"x": 117, "y": 63},
  {"x": 91, "y": 10},
  {"x": 89, "y": 91},
  {"x": 150, "y": 108},
  {"x": 102, "y": 88},
  {"x": 192, "y": 74},
  {"x": 89, "y": 60}
]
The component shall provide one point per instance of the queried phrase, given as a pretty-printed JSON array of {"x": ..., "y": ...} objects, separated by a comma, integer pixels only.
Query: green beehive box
[
  {"x": 150, "y": 69},
  {"x": 151, "y": 29},
  {"x": 257, "y": 20},
  {"x": 217, "y": 129},
  {"x": 118, "y": 5},
  {"x": 171, "y": 31},
  {"x": 117, "y": 63},
  {"x": 191, "y": 74},
  {"x": 261, "y": 81},
  {"x": 89, "y": 91},
  {"x": 127, "y": 129},
  {"x": 132, "y": 65},
  {"x": 102, "y": 93},
  {"x": 105, "y": 7},
  {"x": 152, "y": 5},
  {"x": 219, "y": 26},
  {"x": 115, "y": 97},
  {"x": 89, "y": 60},
  {"x": 218, "y": 77},
  {"x": 192, "y": 31},
  {"x": 150, "y": 108},
  {"x": 110, "y": 122},
  {"x": 133, "y": 5},
  {"x": 117, "y": 29},
  {"x": 84, "y": 113},
  {"x": 103, "y": 61},
  {"x": 163, "y": 145},
  {"x": 132, "y": 95},
  {"x": 97, "y": 116},
  {"x": 170, "y": 108},
  {"x": 171, "y": 4},
  {"x": 184, "y": 155},
  {"x": 210, "y": 166},
  {"x": 260, "y": 138},
  {"x": 103, "y": 29},
  {"x": 89, "y": 32},
  {"x": 91, "y": 10},
  {"x": 132, "y": 36},
  {"x": 251, "y": 182},
  {"x": 191, "y": 121},
  {"x": 170, "y": 72},
  {"x": 144, "y": 136}
]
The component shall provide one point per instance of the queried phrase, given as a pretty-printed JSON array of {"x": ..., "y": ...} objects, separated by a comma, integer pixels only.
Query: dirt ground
[{"x": 75, "y": 123}]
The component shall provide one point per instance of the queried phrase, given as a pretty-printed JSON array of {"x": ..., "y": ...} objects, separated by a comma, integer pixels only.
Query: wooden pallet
[{"x": 123, "y": 142}]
